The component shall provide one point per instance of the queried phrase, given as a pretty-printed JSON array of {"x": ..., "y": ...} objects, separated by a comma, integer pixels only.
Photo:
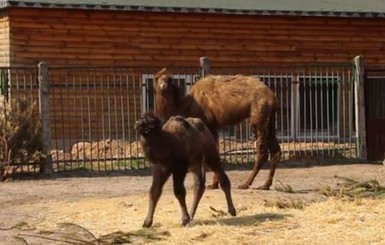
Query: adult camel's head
[
  {"x": 167, "y": 94},
  {"x": 163, "y": 82}
]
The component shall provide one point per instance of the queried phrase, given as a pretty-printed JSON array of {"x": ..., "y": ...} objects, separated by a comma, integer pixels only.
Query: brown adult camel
[{"x": 224, "y": 100}]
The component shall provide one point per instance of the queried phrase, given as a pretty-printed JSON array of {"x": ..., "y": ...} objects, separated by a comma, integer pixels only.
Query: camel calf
[{"x": 181, "y": 144}]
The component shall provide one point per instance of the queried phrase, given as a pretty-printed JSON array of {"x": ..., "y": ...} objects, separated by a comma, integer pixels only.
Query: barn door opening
[
  {"x": 375, "y": 113},
  {"x": 148, "y": 103},
  {"x": 317, "y": 107}
]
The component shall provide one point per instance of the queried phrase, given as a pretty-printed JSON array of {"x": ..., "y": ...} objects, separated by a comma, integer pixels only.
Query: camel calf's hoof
[
  {"x": 243, "y": 186},
  {"x": 232, "y": 212},
  {"x": 185, "y": 221},
  {"x": 147, "y": 223}
]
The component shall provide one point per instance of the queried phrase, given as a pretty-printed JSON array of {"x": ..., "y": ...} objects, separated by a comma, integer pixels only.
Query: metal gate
[{"x": 375, "y": 113}]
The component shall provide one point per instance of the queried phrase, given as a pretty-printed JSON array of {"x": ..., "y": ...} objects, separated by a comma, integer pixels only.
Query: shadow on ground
[{"x": 246, "y": 220}]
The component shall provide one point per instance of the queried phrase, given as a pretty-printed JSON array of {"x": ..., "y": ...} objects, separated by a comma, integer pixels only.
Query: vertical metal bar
[
  {"x": 122, "y": 153},
  {"x": 128, "y": 151},
  {"x": 330, "y": 109},
  {"x": 116, "y": 138},
  {"x": 73, "y": 87},
  {"x": 60, "y": 99},
  {"x": 295, "y": 118},
  {"x": 289, "y": 112},
  {"x": 303, "y": 97},
  {"x": 343, "y": 110},
  {"x": 67, "y": 95},
  {"x": 80, "y": 90},
  {"x": 351, "y": 113},
  {"x": 95, "y": 91},
  {"x": 321, "y": 113},
  {"x": 90, "y": 114},
  {"x": 283, "y": 85},
  {"x": 136, "y": 116}
]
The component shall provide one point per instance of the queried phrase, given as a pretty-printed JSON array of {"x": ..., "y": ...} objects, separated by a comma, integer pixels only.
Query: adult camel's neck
[
  {"x": 173, "y": 103},
  {"x": 166, "y": 105}
]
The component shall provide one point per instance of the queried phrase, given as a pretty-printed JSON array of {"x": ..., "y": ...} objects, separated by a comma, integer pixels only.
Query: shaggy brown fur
[
  {"x": 226, "y": 100},
  {"x": 173, "y": 149}
]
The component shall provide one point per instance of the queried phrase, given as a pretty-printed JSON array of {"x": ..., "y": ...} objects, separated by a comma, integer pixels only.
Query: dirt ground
[{"x": 109, "y": 204}]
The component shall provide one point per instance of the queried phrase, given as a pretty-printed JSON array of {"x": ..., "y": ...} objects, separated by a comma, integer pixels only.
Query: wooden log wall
[
  {"x": 4, "y": 39},
  {"x": 94, "y": 37}
]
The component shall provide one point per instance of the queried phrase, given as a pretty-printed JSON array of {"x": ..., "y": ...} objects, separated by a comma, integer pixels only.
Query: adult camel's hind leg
[
  {"x": 259, "y": 119},
  {"x": 275, "y": 152},
  {"x": 199, "y": 175},
  {"x": 215, "y": 183},
  {"x": 261, "y": 158}
]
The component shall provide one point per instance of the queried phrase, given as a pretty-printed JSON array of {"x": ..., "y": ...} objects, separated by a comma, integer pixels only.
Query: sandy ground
[{"x": 105, "y": 205}]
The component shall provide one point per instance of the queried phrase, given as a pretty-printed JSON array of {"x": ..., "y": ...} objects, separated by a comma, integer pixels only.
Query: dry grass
[{"x": 118, "y": 221}]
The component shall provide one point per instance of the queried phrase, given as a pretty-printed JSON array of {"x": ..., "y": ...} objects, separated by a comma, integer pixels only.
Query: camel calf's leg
[
  {"x": 224, "y": 182},
  {"x": 159, "y": 178},
  {"x": 180, "y": 192},
  {"x": 226, "y": 187}
]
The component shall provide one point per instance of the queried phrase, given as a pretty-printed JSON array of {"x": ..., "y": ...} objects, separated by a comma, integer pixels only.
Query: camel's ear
[{"x": 161, "y": 72}]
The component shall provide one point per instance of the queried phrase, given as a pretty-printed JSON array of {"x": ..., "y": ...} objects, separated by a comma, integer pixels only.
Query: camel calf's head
[{"x": 148, "y": 123}]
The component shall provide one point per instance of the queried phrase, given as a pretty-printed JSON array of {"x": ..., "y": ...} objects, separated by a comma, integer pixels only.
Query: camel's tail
[{"x": 274, "y": 148}]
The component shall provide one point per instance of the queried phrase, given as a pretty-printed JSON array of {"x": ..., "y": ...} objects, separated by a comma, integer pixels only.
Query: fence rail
[{"x": 93, "y": 110}]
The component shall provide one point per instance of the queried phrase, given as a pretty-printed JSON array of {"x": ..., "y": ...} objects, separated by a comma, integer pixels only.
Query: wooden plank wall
[
  {"x": 84, "y": 37},
  {"x": 4, "y": 39},
  {"x": 78, "y": 37}
]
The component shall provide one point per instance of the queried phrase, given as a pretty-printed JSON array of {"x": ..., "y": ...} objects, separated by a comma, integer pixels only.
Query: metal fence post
[
  {"x": 359, "y": 92},
  {"x": 46, "y": 160},
  {"x": 205, "y": 65}
]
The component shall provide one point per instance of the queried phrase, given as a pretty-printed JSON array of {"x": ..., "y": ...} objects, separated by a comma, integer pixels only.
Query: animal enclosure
[{"x": 92, "y": 111}]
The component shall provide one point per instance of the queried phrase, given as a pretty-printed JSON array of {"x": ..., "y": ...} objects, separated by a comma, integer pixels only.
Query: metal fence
[
  {"x": 93, "y": 110},
  {"x": 316, "y": 111}
]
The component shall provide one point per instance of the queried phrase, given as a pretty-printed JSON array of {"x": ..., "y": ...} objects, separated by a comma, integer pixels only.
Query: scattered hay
[
  {"x": 286, "y": 203},
  {"x": 70, "y": 233},
  {"x": 351, "y": 189},
  {"x": 284, "y": 187},
  {"x": 217, "y": 213}
]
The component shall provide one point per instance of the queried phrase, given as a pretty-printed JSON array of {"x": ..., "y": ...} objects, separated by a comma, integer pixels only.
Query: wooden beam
[
  {"x": 360, "y": 107},
  {"x": 46, "y": 160}
]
